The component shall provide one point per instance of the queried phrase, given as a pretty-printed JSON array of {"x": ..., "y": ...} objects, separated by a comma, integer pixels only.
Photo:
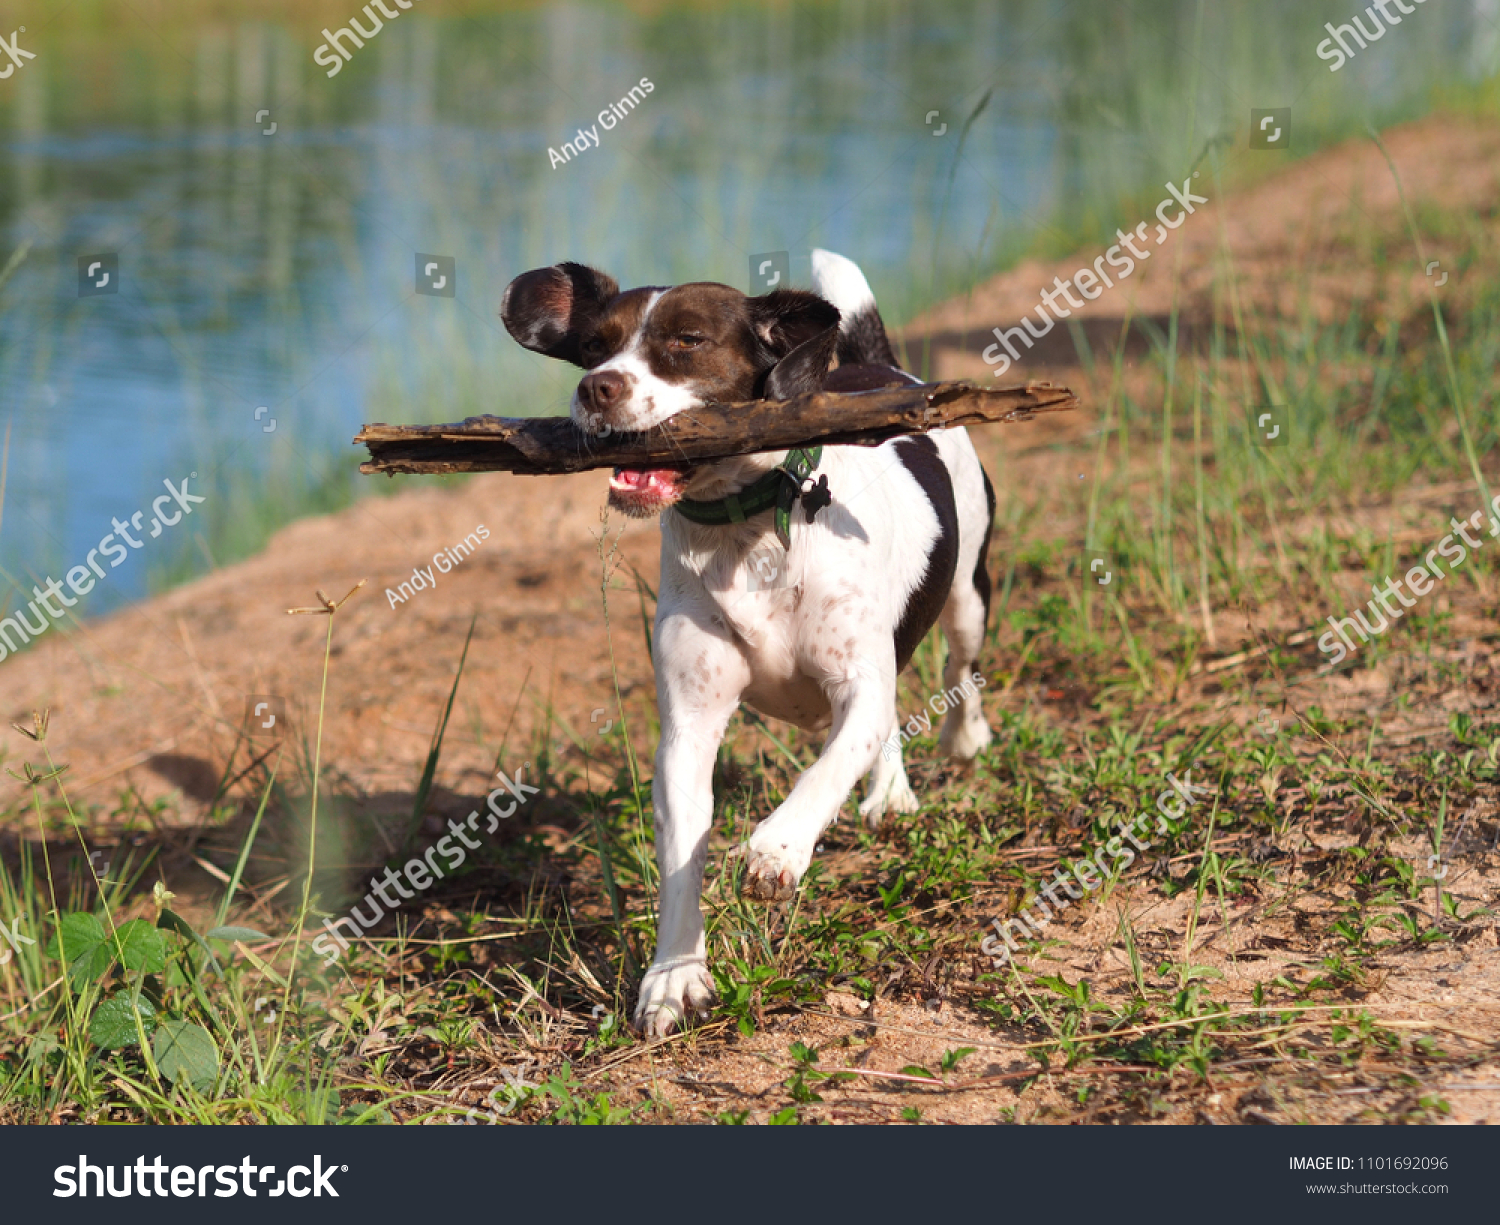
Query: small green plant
[
  {"x": 799, "y": 1084},
  {"x": 573, "y": 1107},
  {"x": 150, "y": 984},
  {"x": 745, "y": 991},
  {"x": 806, "y": 1074}
]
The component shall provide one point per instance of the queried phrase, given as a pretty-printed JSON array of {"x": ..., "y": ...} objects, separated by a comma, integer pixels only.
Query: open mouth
[{"x": 641, "y": 492}]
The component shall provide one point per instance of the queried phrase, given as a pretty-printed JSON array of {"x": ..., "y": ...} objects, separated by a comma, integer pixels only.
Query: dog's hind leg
[
  {"x": 965, "y": 733},
  {"x": 700, "y": 676},
  {"x": 888, "y": 789}
]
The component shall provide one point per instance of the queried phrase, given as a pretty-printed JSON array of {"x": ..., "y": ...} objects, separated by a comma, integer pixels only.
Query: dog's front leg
[
  {"x": 781, "y": 847},
  {"x": 699, "y": 678}
]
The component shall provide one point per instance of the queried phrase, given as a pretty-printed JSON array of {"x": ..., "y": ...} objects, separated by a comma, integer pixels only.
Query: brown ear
[
  {"x": 785, "y": 319},
  {"x": 803, "y": 369},
  {"x": 548, "y": 309},
  {"x": 797, "y": 332}
]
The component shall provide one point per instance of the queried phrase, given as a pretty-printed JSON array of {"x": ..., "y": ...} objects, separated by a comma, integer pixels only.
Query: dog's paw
[
  {"x": 896, "y": 797},
  {"x": 670, "y": 993},
  {"x": 772, "y": 872},
  {"x": 964, "y": 739}
]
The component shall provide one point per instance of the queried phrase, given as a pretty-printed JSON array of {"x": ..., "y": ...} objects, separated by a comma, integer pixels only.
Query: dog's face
[{"x": 653, "y": 353}]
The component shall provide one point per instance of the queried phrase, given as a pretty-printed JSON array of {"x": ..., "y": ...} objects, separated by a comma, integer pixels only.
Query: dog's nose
[{"x": 602, "y": 390}]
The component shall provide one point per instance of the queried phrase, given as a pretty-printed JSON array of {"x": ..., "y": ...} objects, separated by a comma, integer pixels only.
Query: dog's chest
[
  {"x": 776, "y": 638},
  {"x": 807, "y": 620},
  {"x": 757, "y": 594},
  {"x": 797, "y": 629}
]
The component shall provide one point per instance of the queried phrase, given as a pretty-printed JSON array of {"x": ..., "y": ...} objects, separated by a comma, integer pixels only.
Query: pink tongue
[{"x": 640, "y": 480}]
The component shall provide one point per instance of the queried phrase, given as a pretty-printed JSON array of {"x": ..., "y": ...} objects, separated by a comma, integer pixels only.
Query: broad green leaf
[
  {"x": 142, "y": 947},
  {"x": 82, "y": 941},
  {"x": 237, "y": 933},
  {"x": 185, "y": 1051},
  {"x": 169, "y": 921},
  {"x": 315, "y": 1105},
  {"x": 40, "y": 1047},
  {"x": 366, "y": 1115},
  {"x": 113, "y": 1023}
]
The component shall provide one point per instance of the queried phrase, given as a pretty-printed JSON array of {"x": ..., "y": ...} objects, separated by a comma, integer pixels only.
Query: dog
[{"x": 892, "y": 539}]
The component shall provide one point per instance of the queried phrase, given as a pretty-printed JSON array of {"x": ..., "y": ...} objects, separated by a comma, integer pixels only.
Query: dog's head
[{"x": 653, "y": 353}]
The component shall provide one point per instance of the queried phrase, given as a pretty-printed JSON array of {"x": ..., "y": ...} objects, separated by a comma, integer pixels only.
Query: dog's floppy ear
[
  {"x": 547, "y": 309},
  {"x": 798, "y": 331},
  {"x": 804, "y": 368}
]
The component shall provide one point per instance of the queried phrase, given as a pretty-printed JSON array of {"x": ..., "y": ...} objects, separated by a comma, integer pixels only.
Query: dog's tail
[{"x": 862, "y": 335}]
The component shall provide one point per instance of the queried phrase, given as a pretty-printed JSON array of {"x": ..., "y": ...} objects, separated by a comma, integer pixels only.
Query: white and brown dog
[{"x": 815, "y": 638}]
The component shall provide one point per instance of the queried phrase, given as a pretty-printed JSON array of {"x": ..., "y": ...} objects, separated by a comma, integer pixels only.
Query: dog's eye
[
  {"x": 688, "y": 340},
  {"x": 593, "y": 348}
]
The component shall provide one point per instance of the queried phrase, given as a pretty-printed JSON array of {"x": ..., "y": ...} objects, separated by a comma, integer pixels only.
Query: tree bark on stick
[{"x": 537, "y": 446}]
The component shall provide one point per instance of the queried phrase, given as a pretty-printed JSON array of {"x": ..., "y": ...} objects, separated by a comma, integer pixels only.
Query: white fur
[
  {"x": 819, "y": 653},
  {"x": 840, "y": 281}
]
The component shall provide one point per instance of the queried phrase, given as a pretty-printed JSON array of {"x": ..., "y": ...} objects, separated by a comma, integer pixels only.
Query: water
[{"x": 266, "y": 298}]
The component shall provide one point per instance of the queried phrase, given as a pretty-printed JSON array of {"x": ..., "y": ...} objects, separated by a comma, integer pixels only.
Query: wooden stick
[{"x": 552, "y": 445}]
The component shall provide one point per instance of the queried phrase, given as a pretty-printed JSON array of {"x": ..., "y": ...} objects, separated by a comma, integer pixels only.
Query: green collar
[{"x": 779, "y": 488}]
